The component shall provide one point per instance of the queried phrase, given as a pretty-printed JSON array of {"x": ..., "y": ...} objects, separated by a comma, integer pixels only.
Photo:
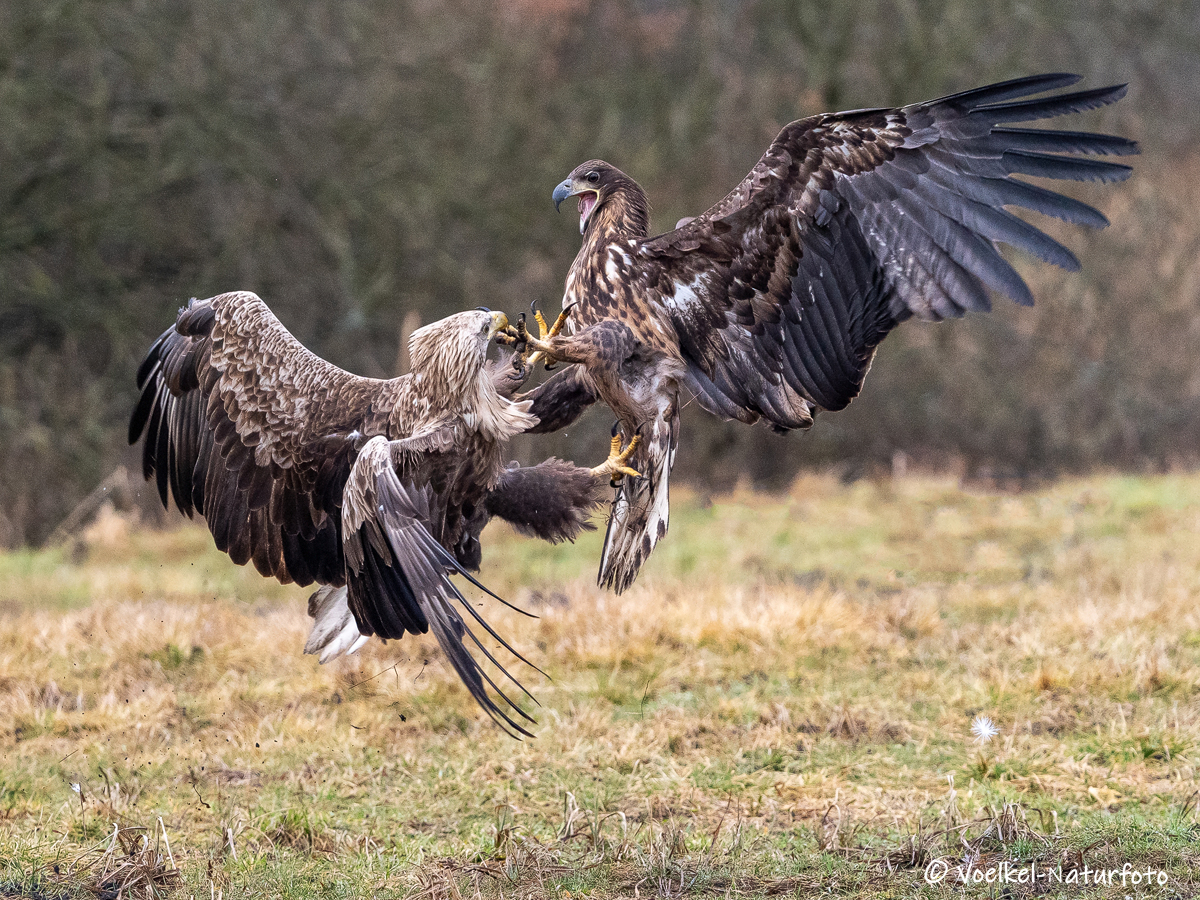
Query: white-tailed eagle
[
  {"x": 375, "y": 489},
  {"x": 770, "y": 304}
]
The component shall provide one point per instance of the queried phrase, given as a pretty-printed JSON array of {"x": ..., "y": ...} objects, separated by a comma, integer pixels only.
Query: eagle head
[
  {"x": 449, "y": 371},
  {"x": 597, "y": 184},
  {"x": 453, "y": 350}
]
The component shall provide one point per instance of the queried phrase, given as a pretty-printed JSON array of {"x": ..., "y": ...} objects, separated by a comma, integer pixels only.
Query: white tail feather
[
  {"x": 334, "y": 632},
  {"x": 641, "y": 510}
]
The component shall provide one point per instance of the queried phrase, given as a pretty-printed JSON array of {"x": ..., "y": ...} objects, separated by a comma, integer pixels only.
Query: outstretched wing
[
  {"x": 852, "y": 223},
  {"x": 398, "y": 574},
  {"x": 247, "y": 427}
]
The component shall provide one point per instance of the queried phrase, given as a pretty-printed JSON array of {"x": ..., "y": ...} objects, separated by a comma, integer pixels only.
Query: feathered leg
[{"x": 640, "y": 509}]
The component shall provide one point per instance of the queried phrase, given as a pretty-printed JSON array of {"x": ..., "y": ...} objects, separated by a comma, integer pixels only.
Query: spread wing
[
  {"x": 259, "y": 435},
  {"x": 852, "y": 223},
  {"x": 397, "y": 574},
  {"x": 247, "y": 427}
]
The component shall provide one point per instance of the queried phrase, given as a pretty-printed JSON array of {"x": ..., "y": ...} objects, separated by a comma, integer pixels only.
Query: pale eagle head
[
  {"x": 453, "y": 350},
  {"x": 449, "y": 359}
]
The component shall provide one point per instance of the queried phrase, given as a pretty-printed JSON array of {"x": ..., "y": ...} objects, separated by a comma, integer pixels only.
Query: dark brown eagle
[
  {"x": 770, "y": 305},
  {"x": 376, "y": 489}
]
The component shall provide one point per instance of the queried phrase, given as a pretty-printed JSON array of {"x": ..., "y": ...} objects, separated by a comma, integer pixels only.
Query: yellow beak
[{"x": 499, "y": 323}]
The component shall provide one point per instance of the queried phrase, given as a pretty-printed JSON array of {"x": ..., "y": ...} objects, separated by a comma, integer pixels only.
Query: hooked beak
[
  {"x": 499, "y": 323},
  {"x": 562, "y": 192},
  {"x": 586, "y": 203}
]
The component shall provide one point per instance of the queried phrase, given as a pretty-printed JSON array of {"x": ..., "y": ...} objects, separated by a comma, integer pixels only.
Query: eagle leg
[{"x": 616, "y": 466}]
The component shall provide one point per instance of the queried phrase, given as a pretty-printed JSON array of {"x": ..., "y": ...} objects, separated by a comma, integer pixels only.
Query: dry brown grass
[{"x": 781, "y": 705}]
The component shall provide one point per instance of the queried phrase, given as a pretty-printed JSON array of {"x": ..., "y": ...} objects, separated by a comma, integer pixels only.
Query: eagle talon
[
  {"x": 508, "y": 335},
  {"x": 543, "y": 344},
  {"x": 615, "y": 466}
]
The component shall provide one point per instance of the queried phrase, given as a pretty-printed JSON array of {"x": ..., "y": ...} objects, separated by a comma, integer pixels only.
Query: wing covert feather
[
  {"x": 398, "y": 574},
  {"x": 247, "y": 427}
]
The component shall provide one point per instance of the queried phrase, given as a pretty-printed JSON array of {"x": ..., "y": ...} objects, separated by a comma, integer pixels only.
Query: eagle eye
[{"x": 592, "y": 177}]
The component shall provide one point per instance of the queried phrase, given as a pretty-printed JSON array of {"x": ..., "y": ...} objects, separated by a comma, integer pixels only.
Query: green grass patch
[{"x": 781, "y": 707}]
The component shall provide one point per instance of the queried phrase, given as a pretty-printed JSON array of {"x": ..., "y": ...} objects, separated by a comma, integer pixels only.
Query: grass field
[{"x": 782, "y": 705}]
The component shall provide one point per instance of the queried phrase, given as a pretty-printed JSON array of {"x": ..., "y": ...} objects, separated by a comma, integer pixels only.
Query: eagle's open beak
[
  {"x": 499, "y": 323},
  {"x": 586, "y": 203}
]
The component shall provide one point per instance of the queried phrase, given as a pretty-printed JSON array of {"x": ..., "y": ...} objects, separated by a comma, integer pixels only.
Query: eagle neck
[
  {"x": 495, "y": 417},
  {"x": 623, "y": 215}
]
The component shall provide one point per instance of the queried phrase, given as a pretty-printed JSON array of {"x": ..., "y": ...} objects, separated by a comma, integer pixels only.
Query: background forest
[{"x": 357, "y": 161}]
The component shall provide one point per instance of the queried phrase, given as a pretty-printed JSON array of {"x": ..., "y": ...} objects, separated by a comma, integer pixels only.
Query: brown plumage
[
  {"x": 377, "y": 490},
  {"x": 770, "y": 304}
]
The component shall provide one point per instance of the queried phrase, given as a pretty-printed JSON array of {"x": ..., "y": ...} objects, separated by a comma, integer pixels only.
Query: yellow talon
[
  {"x": 546, "y": 333},
  {"x": 615, "y": 466}
]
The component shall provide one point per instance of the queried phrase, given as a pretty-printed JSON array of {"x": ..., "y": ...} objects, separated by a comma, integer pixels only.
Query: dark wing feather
[
  {"x": 247, "y": 427},
  {"x": 852, "y": 223},
  {"x": 398, "y": 574}
]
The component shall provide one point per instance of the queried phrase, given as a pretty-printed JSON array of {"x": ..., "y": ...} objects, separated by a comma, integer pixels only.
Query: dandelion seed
[
  {"x": 75, "y": 787},
  {"x": 984, "y": 729}
]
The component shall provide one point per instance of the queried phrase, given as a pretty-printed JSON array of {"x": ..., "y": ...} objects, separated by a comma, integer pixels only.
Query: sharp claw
[
  {"x": 615, "y": 466},
  {"x": 559, "y": 322},
  {"x": 546, "y": 333}
]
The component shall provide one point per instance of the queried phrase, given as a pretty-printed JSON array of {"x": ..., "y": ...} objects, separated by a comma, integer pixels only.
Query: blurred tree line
[{"x": 354, "y": 161}]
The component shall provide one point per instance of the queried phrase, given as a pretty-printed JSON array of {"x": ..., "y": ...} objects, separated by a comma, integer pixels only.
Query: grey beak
[{"x": 561, "y": 193}]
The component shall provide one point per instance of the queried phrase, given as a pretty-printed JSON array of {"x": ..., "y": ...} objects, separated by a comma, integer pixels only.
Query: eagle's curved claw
[
  {"x": 546, "y": 333},
  {"x": 615, "y": 467},
  {"x": 543, "y": 343},
  {"x": 508, "y": 335}
]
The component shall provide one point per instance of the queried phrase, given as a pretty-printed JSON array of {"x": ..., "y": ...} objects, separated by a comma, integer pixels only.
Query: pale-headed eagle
[
  {"x": 376, "y": 489},
  {"x": 770, "y": 305}
]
